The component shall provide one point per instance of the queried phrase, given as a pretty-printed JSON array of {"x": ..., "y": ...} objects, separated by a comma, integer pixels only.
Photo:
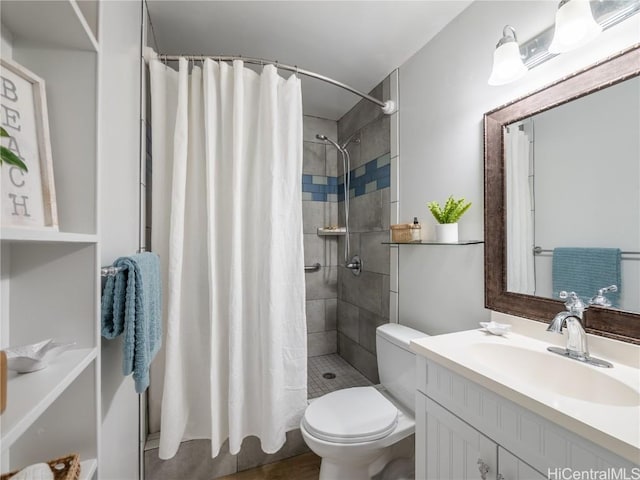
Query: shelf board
[
  {"x": 428, "y": 242},
  {"x": 30, "y": 394},
  {"x": 88, "y": 468},
  {"x": 326, "y": 232},
  {"x": 52, "y": 23},
  {"x": 50, "y": 236}
]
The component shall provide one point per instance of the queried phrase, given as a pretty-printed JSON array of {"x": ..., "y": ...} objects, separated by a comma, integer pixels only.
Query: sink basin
[{"x": 548, "y": 371}]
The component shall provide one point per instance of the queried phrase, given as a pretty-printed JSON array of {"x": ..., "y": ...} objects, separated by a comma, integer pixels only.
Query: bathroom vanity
[{"x": 505, "y": 408}]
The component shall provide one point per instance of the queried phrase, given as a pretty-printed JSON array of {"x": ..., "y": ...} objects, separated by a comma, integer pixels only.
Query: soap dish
[{"x": 496, "y": 328}]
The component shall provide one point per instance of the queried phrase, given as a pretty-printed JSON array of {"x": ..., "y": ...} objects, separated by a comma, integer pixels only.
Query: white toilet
[{"x": 357, "y": 431}]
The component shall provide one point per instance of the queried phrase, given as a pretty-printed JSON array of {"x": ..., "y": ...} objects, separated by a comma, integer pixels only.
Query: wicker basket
[
  {"x": 63, "y": 468},
  {"x": 405, "y": 233}
]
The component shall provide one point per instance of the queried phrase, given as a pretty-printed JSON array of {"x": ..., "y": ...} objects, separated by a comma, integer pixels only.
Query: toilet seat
[{"x": 351, "y": 415}]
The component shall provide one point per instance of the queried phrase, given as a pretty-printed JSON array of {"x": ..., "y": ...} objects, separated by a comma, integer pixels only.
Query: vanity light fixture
[
  {"x": 507, "y": 60},
  {"x": 572, "y": 17},
  {"x": 574, "y": 27}
]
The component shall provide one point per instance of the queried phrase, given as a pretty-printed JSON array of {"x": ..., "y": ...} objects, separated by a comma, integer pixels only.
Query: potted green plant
[
  {"x": 7, "y": 156},
  {"x": 447, "y": 218}
]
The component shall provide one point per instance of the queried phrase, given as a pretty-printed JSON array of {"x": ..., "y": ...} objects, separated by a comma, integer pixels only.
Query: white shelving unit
[{"x": 50, "y": 280}]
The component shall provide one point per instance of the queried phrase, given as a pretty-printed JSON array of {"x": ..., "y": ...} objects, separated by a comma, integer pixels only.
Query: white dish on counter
[{"x": 496, "y": 328}]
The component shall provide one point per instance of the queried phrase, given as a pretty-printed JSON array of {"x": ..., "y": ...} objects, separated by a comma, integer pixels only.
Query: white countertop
[{"x": 615, "y": 427}]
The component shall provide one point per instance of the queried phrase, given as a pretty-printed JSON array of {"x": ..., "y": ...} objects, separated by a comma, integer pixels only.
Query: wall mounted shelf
[
  {"x": 429, "y": 242},
  {"x": 325, "y": 232},
  {"x": 30, "y": 394}
]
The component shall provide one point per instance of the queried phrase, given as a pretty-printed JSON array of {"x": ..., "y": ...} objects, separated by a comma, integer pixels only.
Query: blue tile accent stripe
[
  {"x": 376, "y": 172},
  {"x": 370, "y": 177}
]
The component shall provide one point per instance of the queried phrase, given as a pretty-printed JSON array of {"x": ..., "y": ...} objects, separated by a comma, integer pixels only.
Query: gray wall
[
  {"x": 363, "y": 301},
  {"x": 443, "y": 96},
  {"x": 320, "y": 210}
]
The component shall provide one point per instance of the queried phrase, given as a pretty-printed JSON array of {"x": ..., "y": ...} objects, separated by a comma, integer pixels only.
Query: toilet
[{"x": 358, "y": 431}]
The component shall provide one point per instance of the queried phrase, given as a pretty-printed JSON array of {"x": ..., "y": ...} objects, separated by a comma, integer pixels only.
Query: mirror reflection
[{"x": 573, "y": 198}]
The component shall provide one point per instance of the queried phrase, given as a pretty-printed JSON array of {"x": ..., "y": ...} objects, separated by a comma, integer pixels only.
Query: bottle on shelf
[{"x": 416, "y": 231}]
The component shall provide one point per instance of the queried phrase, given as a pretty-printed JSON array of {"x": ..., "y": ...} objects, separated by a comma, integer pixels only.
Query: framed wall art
[{"x": 27, "y": 188}]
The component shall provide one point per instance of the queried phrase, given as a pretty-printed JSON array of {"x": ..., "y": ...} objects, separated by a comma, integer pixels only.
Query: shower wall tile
[
  {"x": 348, "y": 320},
  {"x": 313, "y": 158},
  {"x": 386, "y": 208},
  {"x": 374, "y": 254},
  {"x": 251, "y": 454},
  {"x": 321, "y": 343},
  {"x": 368, "y": 322},
  {"x": 332, "y": 159},
  {"x": 365, "y": 362},
  {"x": 365, "y": 212},
  {"x": 394, "y": 144},
  {"x": 315, "y": 316},
  {"x": 331, "y": 249},
  {"x": 311, "y": 126},
  {"x": 193, "y": 461},
  {"x": 314, "y": 249},
  {"x": 315, "y": 215},
  {"x": 364, "y": 291},
  {"x": 361, "y": 114},
  {"x": 374, "y": 140},
  {"x": 330, "y": 313},
  {"x": 322, "y": 284}
]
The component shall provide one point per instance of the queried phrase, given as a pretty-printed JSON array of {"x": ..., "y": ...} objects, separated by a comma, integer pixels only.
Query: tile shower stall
[{"x": 344, "y": 310}]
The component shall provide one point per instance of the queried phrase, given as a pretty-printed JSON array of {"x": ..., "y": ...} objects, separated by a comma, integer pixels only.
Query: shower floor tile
[{"x": 345, "y": 375}]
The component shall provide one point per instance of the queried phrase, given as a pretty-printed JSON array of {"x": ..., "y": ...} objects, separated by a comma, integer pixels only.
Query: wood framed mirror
[{"x": 617, "y": 323}]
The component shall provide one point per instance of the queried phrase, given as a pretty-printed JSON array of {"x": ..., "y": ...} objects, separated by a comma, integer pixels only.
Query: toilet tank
[{"x": 396, "y": 363}]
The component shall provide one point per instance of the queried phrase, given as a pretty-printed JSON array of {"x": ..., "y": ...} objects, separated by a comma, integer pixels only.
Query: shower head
[{"x": 324, "y": 138}]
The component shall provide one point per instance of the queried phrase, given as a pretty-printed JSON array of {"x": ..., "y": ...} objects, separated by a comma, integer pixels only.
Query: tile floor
[{"x": 345, "y": 375}]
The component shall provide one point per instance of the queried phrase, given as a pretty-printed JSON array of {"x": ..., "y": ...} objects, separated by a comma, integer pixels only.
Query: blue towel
[
  {"x": 586, "y": 270},
  {"x": 131, "y": 303}
]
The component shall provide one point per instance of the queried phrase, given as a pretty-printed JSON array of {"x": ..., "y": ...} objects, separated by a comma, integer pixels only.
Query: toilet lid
[{"x": 351, "y": 415}]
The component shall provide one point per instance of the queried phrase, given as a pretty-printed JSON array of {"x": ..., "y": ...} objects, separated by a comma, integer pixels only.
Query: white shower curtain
[
  {"x": 227, "y": 223},
  {"x": 520, "y": 266}
]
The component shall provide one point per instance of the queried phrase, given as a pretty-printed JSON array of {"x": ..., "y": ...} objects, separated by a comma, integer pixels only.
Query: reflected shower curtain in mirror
[
  {"x": 227, "y": 223},
  {"x": 520, "y": 229}
]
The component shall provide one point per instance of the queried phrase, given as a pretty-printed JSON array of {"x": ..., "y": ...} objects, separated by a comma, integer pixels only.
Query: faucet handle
[
  {"x": 574, "y": 303},
  {"x": 600, "y": 299}
]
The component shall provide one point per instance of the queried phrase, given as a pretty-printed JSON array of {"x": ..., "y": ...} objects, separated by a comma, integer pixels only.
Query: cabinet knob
[
  {"x": 483, "y": 468},
  {"x": 499, "y": 477}
]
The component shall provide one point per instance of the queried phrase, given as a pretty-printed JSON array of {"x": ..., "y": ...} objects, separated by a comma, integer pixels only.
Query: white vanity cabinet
[
  {"x": 465, "y": 431},
  {"x": 511, "y": 467},
  {"x": 457, "y": 451}
]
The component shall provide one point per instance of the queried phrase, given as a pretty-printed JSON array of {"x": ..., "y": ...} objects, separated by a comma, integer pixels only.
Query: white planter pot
[{"x": 447, "y": 232}]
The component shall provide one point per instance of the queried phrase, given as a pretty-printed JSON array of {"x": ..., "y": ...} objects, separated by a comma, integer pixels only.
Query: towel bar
[
  {"x": 110, "y": 271},
  {"x": 538, "y": 250},
  {"x": 312, "y": 268}
]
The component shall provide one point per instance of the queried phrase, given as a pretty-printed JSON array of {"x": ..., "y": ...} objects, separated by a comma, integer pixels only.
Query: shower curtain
[
  {"x": 520, "y": 263},
  {"x": 227, "y": 223}
]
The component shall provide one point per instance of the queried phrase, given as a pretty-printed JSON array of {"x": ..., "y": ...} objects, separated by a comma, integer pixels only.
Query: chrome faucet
[{"x": 577, "y": 348}]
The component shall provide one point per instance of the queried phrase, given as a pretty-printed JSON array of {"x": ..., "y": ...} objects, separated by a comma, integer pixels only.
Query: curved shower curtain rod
[{"x": 387, "y": 107}]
